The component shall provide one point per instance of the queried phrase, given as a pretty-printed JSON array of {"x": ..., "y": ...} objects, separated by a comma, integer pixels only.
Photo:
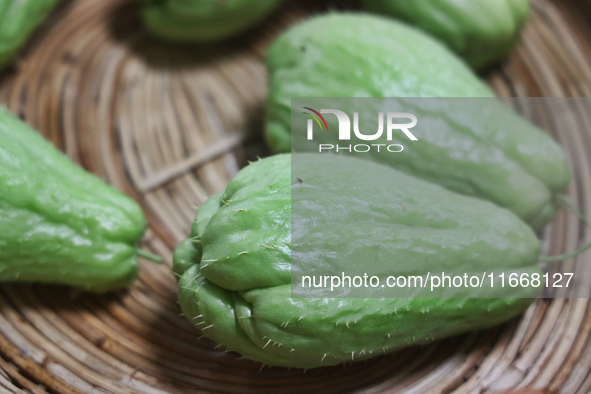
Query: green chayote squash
[
  {"x": 58, "y": 223},
  {"x": 203, "y": 20},
  {"x": 483, "y": 32},
  {"x": 497, "y": 155},
  {"x": 235, "y": 267},
  {"x": 18, "y": 19}
]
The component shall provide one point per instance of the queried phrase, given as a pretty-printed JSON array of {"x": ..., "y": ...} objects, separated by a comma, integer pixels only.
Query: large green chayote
[
  {"x": 203, "y": 20},
  {"x": 18, "y": 19},
  {"x": 235, "y": 267},
  {"x": 502, "y": 157},
  {"x": 59, "y": 223},
  {"x": 483, "y": 32}
]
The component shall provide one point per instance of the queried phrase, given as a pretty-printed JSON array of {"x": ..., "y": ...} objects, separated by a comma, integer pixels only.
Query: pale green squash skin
[
  {"x": 18, "y": 20},
  {"x": 203, "y": 21},
  {"x": 518, "y": 167},
  {"x": 483, "y": 32},
  {"x": 58, "y": 223},
  {"x": 243, "y": 300}
]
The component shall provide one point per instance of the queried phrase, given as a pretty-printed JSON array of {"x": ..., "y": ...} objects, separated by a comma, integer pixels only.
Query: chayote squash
[
  {"x": 235, "y": 267},
  {"x": 482, "y": 32},
  {"x": 203, "y": 20},
  {"x": 500, "y": 156},
  {"x": 58, "y": 223},
  {"x": 18, "y": 19}
]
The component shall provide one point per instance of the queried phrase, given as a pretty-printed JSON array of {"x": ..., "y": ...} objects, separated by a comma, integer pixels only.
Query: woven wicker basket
[{"x": 170, "y": 125}]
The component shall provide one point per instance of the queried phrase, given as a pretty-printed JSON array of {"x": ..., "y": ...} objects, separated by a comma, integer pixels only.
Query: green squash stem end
[
  {"x": 575, "y": 209},
  {"x": 149, "y": 256}
]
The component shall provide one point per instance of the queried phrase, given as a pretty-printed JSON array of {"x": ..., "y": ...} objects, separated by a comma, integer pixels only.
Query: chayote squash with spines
[
  {"x": 234, "y": 269},
  {"x": 482, "y": 32},
  {"x": 18, "y": 19},
  {"x": 58, "y": 223},
  {"x": 203, "y": 20},
  {"x": 496, "y": 155}
]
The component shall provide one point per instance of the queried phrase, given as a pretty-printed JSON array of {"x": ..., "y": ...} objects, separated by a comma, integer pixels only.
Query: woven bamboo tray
[{"x": 170, "y": 125}]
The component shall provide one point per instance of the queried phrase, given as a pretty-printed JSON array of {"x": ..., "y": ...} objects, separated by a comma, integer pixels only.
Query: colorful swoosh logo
[{"x": 315, "y": 118}]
